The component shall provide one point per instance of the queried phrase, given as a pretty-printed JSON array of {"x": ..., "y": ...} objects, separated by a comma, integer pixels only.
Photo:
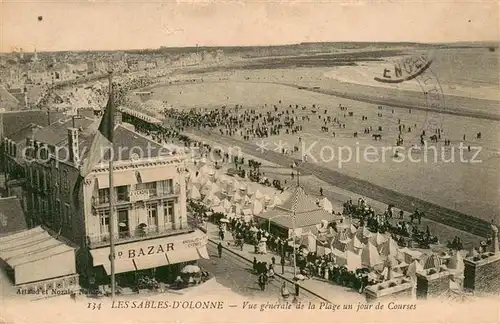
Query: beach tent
[
  {"x": 226, "y": 205},
  {"x": 363, "y": 234},
  {"x": 341, "y": 241},
  {"x": 219, "y": 209},
  {"x": 275, "y": 201},
  {"x": 326, "y": 204},
  {"x": 456, "y": 263},
  {"x": 354, "y": 245},
  {"x": 258, "y": 195},
  {"x": 257, "y": 207},
  {"x": 309, "y": 240},
  {"x": 211, "y": 200},
  {"x": 237, "y": 198},
  {"x": 370, "y": 256},
  {"x": 350, "y": 260},
  {"x": 207, "y": 187},
  {"x": 352, "y": 230},
  {"x": 377, "y": 239},
  {"x": 194, "y": 193},
  {"x": 410, "y": 255},
  {"x": 389, "y": 248},
  {"x": 433, "y": 261},
  {"x": 414, "y": 268}
]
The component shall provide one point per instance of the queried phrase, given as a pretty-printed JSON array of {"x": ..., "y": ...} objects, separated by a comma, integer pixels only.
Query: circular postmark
[{"x": 418, "y": 68}]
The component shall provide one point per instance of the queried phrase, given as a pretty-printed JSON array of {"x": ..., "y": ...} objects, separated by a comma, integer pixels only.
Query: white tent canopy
[
  {"x": 326, "y": 205},
  {"x": 370, "y": 256}
]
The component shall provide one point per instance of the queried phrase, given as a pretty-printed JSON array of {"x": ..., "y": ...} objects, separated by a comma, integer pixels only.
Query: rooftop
[
  {"x": 13, "y": 121},
  {"x": 11, "y": 216}
]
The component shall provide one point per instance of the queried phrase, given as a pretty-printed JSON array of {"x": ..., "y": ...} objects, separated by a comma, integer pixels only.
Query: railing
[
  {"x": 138, "y": 195},
  {"x": 141, "y": 233}
]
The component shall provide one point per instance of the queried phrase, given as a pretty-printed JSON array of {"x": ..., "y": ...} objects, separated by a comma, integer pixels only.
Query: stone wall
[
  {"x": 433, "y": 283},
  {"x": 482, "y": 274},
  {"x": 390, "y": 290}
]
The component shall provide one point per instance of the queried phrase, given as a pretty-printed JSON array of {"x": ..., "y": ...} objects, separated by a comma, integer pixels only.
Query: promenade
[{"x": 321, "y": 288}]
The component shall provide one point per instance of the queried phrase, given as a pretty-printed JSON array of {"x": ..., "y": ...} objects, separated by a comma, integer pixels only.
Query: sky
[{"x": 127, "y": 24}]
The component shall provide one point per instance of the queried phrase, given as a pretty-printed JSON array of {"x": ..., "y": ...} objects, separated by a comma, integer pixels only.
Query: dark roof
[
  {"x": 13, "y": 121},
  {"x": 21, "y": 135},
  {"x": 8, "y": 100},
  {"x": 57, "y": 133},
  {"x": 307, "y": 213},
  {"x": 11, "y": 216},
  {"x": 129, "y": 142}
]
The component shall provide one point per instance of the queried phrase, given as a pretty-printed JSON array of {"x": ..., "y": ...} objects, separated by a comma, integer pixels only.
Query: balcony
[
  {"x": 141, "y": 233},
  {"x": 124, "y": 198}
]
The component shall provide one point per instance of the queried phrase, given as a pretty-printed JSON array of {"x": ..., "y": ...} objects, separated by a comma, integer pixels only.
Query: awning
[
  {"x": 121, "y": 266},
  {"x": 153, "y": 253},
  {"x": 35, "y": 255},
  {"x": 153, "y": 261},
  {"x": 149, "y": 175},
  {"x": 119, "y": 179},
  {"x": 183, "y": 256}
]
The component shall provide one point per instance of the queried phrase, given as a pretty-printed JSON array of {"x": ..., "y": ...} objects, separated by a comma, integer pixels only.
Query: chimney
[
  {"x": 118, "y": 118},
  {"x": 74, "y": 153}
]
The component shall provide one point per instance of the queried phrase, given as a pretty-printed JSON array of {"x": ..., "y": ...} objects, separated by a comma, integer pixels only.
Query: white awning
[
  {"x": 119, "y": 179},
  {"x": 149, "y": 175},
  {"x": 153, "y": 253},
  {"x": 153, "y": 261},
  {"x": 120, "y": 266},
  {"x": 35, "y": 255},
  {"x": 183, "y": 255}
]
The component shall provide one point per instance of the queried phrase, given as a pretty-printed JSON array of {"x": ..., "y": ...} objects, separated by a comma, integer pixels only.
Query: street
[{"x": 236, "y": 273}]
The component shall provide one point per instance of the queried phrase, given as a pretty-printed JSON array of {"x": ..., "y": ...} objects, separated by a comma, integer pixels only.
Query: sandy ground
[{"x": 471, "y": 188}]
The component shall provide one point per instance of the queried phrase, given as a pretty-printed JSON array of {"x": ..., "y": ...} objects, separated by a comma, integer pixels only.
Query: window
[
  {"x": 65, "y": 181},
  {"x": 166, "y": 187},
  {"x": 151, "y": 186},
  {"x": 169, "y": 212},
  {"x": 152, "y": 215},
  {"x": 104, "y": 221},
  {"x": 103, "y": 196},
  {"x": 121, "y": 193}
]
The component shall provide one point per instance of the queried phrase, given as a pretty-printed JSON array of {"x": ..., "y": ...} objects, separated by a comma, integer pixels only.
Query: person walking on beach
[
  {"x": 297, "y": 289},
  {"x": 321, "y": 191},
  {"x": 219, "y": 249}
]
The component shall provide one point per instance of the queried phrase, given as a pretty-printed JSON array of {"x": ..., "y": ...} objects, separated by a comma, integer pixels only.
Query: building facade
[{"x": 150, "y": 200}]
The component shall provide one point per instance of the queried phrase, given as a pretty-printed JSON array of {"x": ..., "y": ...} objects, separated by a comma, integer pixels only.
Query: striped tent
[{"x": 433, "y": 261}]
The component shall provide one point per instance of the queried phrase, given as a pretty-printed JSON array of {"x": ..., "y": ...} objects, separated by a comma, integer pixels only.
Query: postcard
[{"x": 244, "y": 161}]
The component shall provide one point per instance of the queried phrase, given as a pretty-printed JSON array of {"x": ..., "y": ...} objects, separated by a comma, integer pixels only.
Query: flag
[{"x": 101, "y": 143}]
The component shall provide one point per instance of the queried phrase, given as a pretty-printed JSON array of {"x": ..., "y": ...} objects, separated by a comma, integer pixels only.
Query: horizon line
[{"x": 470, "y": 42}]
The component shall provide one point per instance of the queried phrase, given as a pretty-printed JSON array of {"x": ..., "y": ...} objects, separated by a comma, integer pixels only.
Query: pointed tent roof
[
  {"x": 377, "y": 239},
  {"x": 194, "y": 193},
  {"x": 352, "y": 229},
  {"x": 226, "y": 204},
  {"x": 414, "y": 268},
  {"x": 326, "y": 204},
  {"x": 257, "y": 207},
  {"x": 370, "y": 256},
  {"x": 276, "y": 200},
  {"x": 354, "y": 244},
  {"x": 258, "y": 194},
  {"x": 389, "y": 248},
  {"x": 363, "y": 233}
]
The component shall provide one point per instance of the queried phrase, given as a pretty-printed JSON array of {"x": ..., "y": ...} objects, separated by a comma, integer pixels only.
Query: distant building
[{"x": 11, "y": 216}]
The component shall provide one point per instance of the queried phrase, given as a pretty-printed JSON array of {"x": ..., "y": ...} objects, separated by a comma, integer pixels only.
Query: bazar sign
[
  {"x": 145, "y": 249},
  {"x": 406, "y": 69}
]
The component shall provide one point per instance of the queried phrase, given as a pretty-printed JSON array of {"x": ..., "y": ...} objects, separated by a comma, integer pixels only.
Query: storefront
[
  {"x": 160, "y": 258},
  {"x": 34, "y": 259}
]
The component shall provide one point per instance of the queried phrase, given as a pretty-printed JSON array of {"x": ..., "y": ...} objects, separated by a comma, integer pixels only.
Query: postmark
[{"x": 418, "y": 68}]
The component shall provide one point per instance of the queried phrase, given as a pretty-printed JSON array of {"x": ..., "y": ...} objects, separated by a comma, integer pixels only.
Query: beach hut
[
  {"x": 370, "y": 256},
  {"x": 326, "y": 204},
  {"x": 389, "y": 248}
]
